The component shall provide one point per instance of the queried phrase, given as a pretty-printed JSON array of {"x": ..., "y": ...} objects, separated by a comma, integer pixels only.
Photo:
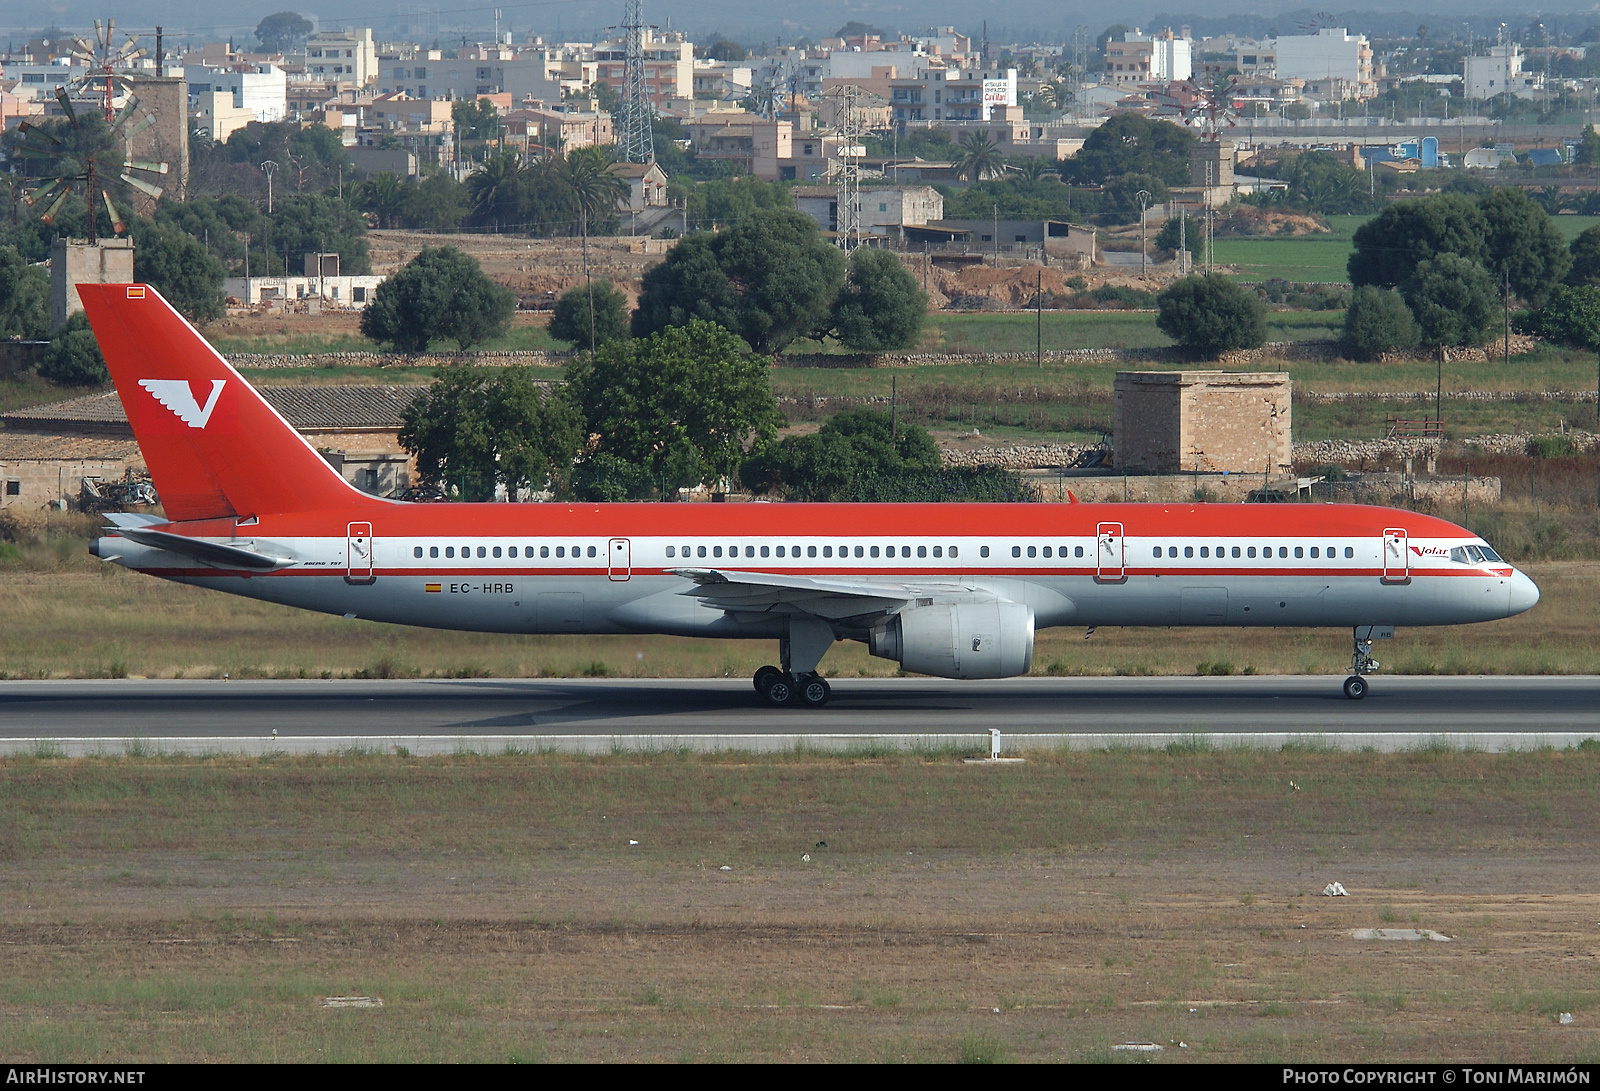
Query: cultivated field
[{"x": 205, "y": 910}]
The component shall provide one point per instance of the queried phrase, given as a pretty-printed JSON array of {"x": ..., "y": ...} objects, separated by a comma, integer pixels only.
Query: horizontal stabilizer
[{"x": 212, "y": 553}]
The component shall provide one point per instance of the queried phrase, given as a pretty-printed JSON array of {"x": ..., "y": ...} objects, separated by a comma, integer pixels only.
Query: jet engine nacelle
[{"x": 961, "y": 640}]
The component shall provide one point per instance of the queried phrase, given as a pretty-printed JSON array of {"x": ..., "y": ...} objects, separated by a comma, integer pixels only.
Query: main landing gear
[
  {"x": 781, "y": 689},
  {"x": 1361, "y": 663}
]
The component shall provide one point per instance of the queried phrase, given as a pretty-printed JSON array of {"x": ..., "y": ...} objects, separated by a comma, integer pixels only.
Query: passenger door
[
  {"x": 358, "y": 554},
  {"x": 1110, "y": 557},
  {"x": 617, "y": 564},
  {"x": 1396, "y": 556}
]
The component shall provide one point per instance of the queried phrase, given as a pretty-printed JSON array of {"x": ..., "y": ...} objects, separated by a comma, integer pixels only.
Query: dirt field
[{"x": 203, "y": 910}]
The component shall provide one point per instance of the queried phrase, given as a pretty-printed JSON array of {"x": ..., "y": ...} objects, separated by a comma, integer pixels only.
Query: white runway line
[{"x": 976, "y": 742}]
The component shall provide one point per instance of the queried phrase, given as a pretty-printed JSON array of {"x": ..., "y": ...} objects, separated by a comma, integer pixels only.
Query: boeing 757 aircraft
[{"x": 954, "y": 590}]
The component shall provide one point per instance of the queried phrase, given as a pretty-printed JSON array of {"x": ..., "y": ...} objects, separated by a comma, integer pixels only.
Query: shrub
[
  {"x": 441, "y": 294},
  {"x": 73, "y": 358},
  {"x": 1208, "y": 315},
  {"x": 1377, "y": 322},
  {"x": 570, "y": 320},
  {"x": 881, "y": 306},
  {"x": 1453, "y": 301}
]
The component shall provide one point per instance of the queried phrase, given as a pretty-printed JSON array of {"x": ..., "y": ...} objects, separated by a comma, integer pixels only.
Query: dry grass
[{"x": 164, "y": 909}]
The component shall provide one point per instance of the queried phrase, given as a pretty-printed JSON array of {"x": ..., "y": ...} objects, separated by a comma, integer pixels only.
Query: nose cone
[{"x": 1524, "y": 594}]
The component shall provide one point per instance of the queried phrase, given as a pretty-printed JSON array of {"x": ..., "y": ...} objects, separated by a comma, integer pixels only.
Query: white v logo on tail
[{"x": 177, "y": 396}]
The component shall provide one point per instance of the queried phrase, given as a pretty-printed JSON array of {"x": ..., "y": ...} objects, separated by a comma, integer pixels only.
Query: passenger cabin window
[
  {"x": 983, "y": 551},
  {"x": 591, "y": 551},
  {"x": 1349, "y": 552},
  {"x": 544, "y": 551},
  {"x": 496, "y": 551},
  {"x": 1077, "y": 551},
  {"x": 1016, "y": 551},
  {"x": 561, "y": 551},
  {"x": 1298, "y": 552},
  {"x": 449, "y": 551},
  {"x": 417, "y": 552},
  {"x": 1188, "y": 551},
  {"x": 433, "y": 551},
  {"x": 669, "y": 551}
]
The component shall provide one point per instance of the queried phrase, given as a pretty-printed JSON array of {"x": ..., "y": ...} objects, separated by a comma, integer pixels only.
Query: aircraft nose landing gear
[{"x": 1361, "y": 663}]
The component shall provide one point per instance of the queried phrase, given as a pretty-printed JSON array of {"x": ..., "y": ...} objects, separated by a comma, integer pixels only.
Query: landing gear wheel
[
  {"x": 763, "y": 676},
  {"x": 1355, "y": 687},
  {"x": 814, "y": 691},
  {"x": 780, "y": 690}
]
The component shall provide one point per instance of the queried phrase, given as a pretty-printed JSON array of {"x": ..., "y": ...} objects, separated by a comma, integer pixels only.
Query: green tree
[
  {"x": 475, "y": 428},
  {"x": 437, "y": 203},
  {"x": 573, "y": 320},
  {"x": 73, "y": 358},
  {"x": 1320, "y": 183},
  {"x": 1571, "y": 315},
  {"x": 217, "y": 223},
  {"x": 830, "y": 464},
  {"x": 1585, "y": 251},
  {"x": 475, "y": 119},
  {"x": 724, "y": 201},
  {"x": 682, "y": 404},
  {"x": 441, "y": 294},
  {"x": 1524, "y": 243},
  {"x": 282, "y": 31},
  {"x": 881, "y": 306},
  {"x": 24, "y": 298},
  {"x": 1589, "y": 151},
  {"x": 770, "y": 278},
  {"x": 725, "y": 49},
  {"x": 1453, "y": 301},
  {"x": 590, "y": 176},
  {"x": 384, "y": 195},
  {"x": 319, "y": 224},
  {"x": 1121, "y": 204},
  {"x": 1376, "y": 322},
  {"x": 1208, "y": 315},
  {"x": 1133, "y": 144},
  {"x": 178, "y": 267},
  {"x": 1389, "y": 247},
  {"x": 494, "y": 191},
  {"x": 980, "y": 157},
  {"x": 1180, "y": 231},
  {"x": 689, "y": 285}
]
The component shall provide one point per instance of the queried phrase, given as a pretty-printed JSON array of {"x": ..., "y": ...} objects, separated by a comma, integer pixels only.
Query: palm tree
[
  {"x": 384, "y": 196},
  {"x": 495, "y": 189},
  {"x": 1034, "y": 169},
  {"x": 979, "y": 158},
  {"x": 1056, "y": 93},
  {"x": 591, "y": 177}
]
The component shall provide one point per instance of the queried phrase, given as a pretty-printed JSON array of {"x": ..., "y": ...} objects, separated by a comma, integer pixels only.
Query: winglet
[{"x": 214, "y": 446}]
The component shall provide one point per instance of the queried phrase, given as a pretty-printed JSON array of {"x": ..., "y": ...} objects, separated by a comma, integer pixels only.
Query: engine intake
[{"x": 960, "y": 640}]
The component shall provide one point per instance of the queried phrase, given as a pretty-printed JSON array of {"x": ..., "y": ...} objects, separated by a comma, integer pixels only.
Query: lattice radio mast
[
  {"x": 638, "y": 136},
  {"x": 847, "y": 176}
]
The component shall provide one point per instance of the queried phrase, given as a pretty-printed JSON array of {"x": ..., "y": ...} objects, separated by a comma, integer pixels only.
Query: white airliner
[{"x": 954, "y": 590}]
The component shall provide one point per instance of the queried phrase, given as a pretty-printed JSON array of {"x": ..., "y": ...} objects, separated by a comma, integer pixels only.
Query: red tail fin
[{"x": 214, "y": 447}]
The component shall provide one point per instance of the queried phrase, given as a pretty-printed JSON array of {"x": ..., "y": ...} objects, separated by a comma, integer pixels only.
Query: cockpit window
[
  {"x": 1476, "y": 554},
  {"x": 1489, "y": 554},
  {"x": 1458, "y": 554}
]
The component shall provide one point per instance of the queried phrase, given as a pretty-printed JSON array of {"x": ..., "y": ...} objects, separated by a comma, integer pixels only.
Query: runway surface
[{"x": 597, "y": 714}]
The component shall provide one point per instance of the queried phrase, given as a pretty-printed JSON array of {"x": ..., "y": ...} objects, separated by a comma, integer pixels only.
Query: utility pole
[
  {"x": 1144, "y": 233},
  {"x": 270, "y": 168},
  {"x": 1038, "y": 310},
  {"x": 894, "y": 419},
  {"x": 1506, "y": 299},
  {"x": 997, "y": 235}
]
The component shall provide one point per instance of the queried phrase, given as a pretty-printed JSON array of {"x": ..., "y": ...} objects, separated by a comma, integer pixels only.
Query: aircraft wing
[{"x": 829, "y": 599}]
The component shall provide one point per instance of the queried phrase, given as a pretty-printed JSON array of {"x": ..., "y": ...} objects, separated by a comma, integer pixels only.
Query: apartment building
[
  {"x": 344, "y": 56},
  {"x": 1500, "y": 73},
  {"x": 262, "y": 90},
  {"x": 668, "y": 66},
  {"x": 432, "y": 75},
  {"x": 1148, "y": 58},
  {"x": 1330, "y": 53}
]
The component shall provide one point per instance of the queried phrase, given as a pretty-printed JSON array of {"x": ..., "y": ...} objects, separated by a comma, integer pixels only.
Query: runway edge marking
[{"x": 1016, "y": 741}]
